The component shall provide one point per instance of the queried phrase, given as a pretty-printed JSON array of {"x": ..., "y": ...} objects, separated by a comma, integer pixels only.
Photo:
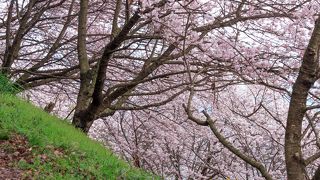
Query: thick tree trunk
[
  {"x": 82, "y": 118},
  {"x": 293, "y": 154},
  {"x": 83, "y": 121},
  {"x": 306, "y": 78},
  {"x": 85, "y": 113},
  {"x": 90, "y": 100}
]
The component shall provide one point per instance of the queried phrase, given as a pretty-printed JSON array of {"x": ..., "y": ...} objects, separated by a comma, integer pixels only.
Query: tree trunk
[
  {"x": 316, "y": 175},
  {"x": 83, "y": 121},
  {"x": 306, "y": 78}
]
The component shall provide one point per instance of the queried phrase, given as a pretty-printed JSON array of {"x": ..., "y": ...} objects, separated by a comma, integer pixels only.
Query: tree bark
[
  {"x": 83, "y": 120},
  {"x": 316, "y": 175},
  {"x": 81, "y": 116},
  {"x": 307, "y": 76},
  {"x": 90, "y": 100}
]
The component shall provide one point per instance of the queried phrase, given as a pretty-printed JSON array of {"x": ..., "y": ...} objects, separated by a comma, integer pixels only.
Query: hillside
[{"x": 34, "y": 144}]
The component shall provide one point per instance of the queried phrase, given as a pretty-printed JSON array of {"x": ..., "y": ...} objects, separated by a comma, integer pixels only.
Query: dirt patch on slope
[{"x": 13, "y": 149}]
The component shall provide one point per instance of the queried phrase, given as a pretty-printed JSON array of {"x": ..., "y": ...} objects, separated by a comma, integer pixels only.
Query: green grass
[
  {"x": 6, "y": 86},
  {"x": 82, "y": 158}
]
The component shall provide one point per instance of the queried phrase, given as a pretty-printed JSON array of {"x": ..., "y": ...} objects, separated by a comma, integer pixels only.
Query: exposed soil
[{"x": 13, "y": 150}]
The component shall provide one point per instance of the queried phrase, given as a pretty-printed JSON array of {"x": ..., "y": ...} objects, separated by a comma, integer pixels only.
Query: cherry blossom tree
[
  {"x": 34, "y": 40},
  {"x": 96, "y": 100},
  {"x": 247, "y": 62},
  {"x": 145, "y": 74}
]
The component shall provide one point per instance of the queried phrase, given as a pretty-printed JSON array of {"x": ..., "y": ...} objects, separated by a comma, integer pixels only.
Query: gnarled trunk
[
  {"x": 83, "y": 121},
  {"x": 307, "y": 76}
]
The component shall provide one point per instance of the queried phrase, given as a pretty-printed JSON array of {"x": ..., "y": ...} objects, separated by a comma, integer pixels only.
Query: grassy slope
[{"x": 83, "y": 158}]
